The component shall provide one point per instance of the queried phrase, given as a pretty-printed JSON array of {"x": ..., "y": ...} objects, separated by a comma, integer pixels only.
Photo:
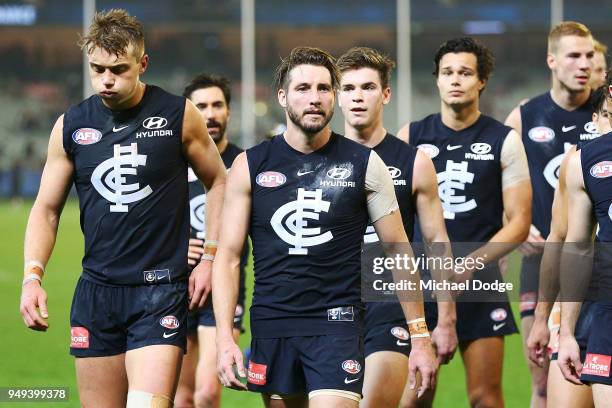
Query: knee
[
  {"x": 486, "y": 397},
  {"x": 183, "y": 400},
  {"x": 208, "y": 395}
]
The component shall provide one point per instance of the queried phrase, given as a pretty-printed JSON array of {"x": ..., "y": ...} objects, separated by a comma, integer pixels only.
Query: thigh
[
  {"x": 483, "y": 360},
  {"x": 477, "y": 320},
  {"x": 187, "y": 377},
  {"x": 331, "y": 400},
  {"x": 602, "y": 395},
  {"x": 207, "y": 363},
  {"x": 285, "y": 401},
  {"x": 563, "y": 394},
  {"x": 154, "y": 369},
  {"x": 379, "y": 388},
  {"x": 102, "y": 381}
]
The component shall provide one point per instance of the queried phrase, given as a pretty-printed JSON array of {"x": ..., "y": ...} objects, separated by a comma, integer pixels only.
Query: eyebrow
[{"x": 123, "y": 64}]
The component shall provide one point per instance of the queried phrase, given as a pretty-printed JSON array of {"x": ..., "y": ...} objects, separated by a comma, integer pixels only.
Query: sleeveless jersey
[
  {"x": 197, "y": 205},
  {"x": 131, "y": 178},
  {"x": 468, "y": 166},
  {"x": 399, "y": 158},
  {"x": 548, "y": 132},
  {"x": 308, "y": 217}
]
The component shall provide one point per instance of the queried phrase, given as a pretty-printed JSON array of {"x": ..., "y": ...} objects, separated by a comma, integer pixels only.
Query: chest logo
[
  {"x": 339, "y": 173},
  {"x": 270, "y": 179},
  {"x": 109, "y": 178},
  {"x": 602, "y": 169},
  {"x": 155, "y": 122},
  {"x": 86, "y": 136},
  {"x": 197, "y": 215},
  {"x": 290, "y": 221},
  {"x": 541, "y": 134},
  {"x": 450, "y": 182},
  {"x": 431, "y": 150},
  {"x": 551, "y": 171}
]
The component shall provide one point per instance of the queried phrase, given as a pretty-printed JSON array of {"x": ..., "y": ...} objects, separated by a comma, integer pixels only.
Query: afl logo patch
[
  {"x": 602, "y": 169},
  {"x": 498, "y": 315},
  {"x": 351, "y": 366},
  {"x": 271, "y": 179},
  {"x": 169, "y": 322},
  {"x": 400, "y": 333},
  {"x": 541, "y": 134},
  {"x": 86, "y": 136},
  {"x": 431, "y": 150}
]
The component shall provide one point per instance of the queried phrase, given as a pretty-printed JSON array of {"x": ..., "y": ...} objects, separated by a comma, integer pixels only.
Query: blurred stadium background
[{"x": 41, "y": 75}]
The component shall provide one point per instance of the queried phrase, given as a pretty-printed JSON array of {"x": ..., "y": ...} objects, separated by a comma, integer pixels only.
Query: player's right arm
[
  {"x": 576, "y": 265},
  {"x": 41, "y": 230},
  {"x": 226, "y": 270},
  {"x": 549, "y": 269}
]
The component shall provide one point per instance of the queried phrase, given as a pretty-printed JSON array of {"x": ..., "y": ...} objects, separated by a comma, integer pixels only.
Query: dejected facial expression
[
  {"x": 362, "y": 97},
  {"x": 115, "y": 78},
  {"x": 458, "y": 81},
  {"x": 214, "y": 110},
  {"x": 572, "y": 63},
  {"x": 309, "y": 98},
  {"x": 598, "y": 75}
]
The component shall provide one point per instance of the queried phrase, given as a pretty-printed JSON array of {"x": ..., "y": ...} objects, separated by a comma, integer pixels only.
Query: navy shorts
[
  {"x": 110, "y": 320},
  {"x": 582, "y": 329},
  {"x": 530, "y": 283},
  {"x": 206, "y": 317},
  {"x": 298, "y": 365},
  {"x": 477, "y": 320},
  {"x": 596, "y": 367}
]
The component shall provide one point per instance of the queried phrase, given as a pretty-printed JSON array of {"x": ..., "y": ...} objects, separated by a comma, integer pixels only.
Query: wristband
[
  {"x": 33, "y": 267},
  {"x": 418, "y": 328},
  {"x": 31, "y": 277},
  {"x": 210, "y": 250}
]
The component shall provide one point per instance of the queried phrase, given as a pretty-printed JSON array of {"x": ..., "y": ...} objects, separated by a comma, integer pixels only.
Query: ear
[
  {"x": 144, "y": 63},
  {"x": 386, "y": 95},
  {"x": 482, "y": 84},
  {"x": 282, "y": 98},
  {"x": 551, "y": 61},
  {"x": 594, "y": 117}
]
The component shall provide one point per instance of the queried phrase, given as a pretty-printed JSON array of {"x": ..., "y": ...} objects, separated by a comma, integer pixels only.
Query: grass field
[{"x": 41, "y": 359}]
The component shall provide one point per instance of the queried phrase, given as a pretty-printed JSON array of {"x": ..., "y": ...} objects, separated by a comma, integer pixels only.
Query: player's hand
[
  {"x": 537, "y": 342},
  {"x": 444, "y": 340},
  {"x": 423, "y": 360},
  {"x": 229, "y": 361},
  {"x": 200, "y": 285},
  {"x": 33, "y": 299},
  {"x": 569, "y": 359},
  {"x": 534, "y": 244},
  {"x": 195, "y": 251}
]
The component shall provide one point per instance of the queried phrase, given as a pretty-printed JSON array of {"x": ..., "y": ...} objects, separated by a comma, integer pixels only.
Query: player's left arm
[
  {"x": 387, "y": 221},
  {"x": 576, "y": 266},
  {"x": 516, "y": 195},
  {"x": 433, "y": 228},
  {"x": 206, "y": 162}
]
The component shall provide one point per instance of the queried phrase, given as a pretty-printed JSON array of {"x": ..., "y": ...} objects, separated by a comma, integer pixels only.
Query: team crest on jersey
[
  {"x": 191, "y": 176},
  {"x": 602, "y": 169},
  {"x": 86, "y": 136},
  {"x": 431, "y": 150},
  {"x": 400, "y": 333},
  {"x": 499, "y": 314},
  {"x": 290, "y": 221},
  {"x": 541, "y": 134},
  {"x": 451, "y": 182},
  {"x": 270, "y": 179},
  {"x": 197, "y": 217}
]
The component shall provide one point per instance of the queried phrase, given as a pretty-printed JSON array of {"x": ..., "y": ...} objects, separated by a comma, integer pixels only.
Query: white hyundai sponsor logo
[
  {"x": 431, "y": 150},
  {"x": 109, "y": 178},
  {"x": 290, "y": 221},
  {"x": 339, "y": 173},
  {"x": 480, "y": 148},
  {"x": 155, "y": 122},
  {"x": 394, "y": 172},
  {"x": 591, "y": 127}
]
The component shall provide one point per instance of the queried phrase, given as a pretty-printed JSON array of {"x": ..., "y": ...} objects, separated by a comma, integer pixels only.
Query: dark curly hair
[
  {"x": 484, "y": 57},
  {"x": 206, "y": 80}
]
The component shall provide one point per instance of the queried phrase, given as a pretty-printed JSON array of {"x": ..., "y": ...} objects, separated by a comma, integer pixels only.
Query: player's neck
[
  {"x": 566, "y": 98},
  {"x": 222, "y": 144},
  {"x": 303, "y": 142},
  {"x": 370, "y": 136},
  {"x": 459, "y": 118}
]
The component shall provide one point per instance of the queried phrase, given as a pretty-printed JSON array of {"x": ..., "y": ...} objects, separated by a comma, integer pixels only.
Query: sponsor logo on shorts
[
  {"x": 257, "y": 373},
  {"x": 597, "y": 364},
  {"x": 602, "y": 169},
  {"x": 169, "y": 322},
  {"x": 499, "y": 314},
  {"x": 86, "y": 136},
  {"x": 400, "y": 333},
  {"x": 351, "y": 366},
  {"x": 271, "y": 179},
  {"x": 341, "y": 314},
  {"x": 431, "y": 150},
  {"x": 157, "y": 275},
  {"x": 496, "y": 327},
  {"x": 541, "y": 134},
  {"x": 79, "y": 337},
  {"x": 168, "y": 335}
]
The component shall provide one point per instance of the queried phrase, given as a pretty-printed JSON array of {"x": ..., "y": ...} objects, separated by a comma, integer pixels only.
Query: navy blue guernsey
[
  {"x": 548, "y": 132},
  {"x": 468, "y": 166},
  {"x": 308, "y": 217},
  {"x": 131, "y": 178},
  {"x": 197, "y": 205},
  {"x": 596, "y": 161},
  {"x": 399, "y": 158}
]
